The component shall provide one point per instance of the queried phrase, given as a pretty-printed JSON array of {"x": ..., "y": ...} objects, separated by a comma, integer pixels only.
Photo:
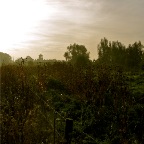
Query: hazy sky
[{"x": 31, "y": 27}]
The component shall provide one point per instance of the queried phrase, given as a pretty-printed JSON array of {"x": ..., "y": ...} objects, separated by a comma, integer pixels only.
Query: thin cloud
[{"x": 86, "y": 22}]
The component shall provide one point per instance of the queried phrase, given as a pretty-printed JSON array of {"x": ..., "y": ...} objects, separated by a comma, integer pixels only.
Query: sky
[{"x": 33, "y": 27}]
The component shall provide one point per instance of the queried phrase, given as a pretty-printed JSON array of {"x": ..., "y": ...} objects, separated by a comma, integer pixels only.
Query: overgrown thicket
[
  {"x": 130, "y": 58},
  {"x": 105, "y": 99}
]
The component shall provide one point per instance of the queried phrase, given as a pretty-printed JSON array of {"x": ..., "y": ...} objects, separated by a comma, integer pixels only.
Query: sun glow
[{"x": 19, "y": 19}]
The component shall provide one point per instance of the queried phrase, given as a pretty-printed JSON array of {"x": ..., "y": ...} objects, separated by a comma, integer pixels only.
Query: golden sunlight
[{"x": 19, "y": 19}]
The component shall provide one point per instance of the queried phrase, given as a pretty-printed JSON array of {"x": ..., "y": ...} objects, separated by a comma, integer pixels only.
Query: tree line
[
  {"x": 131, "y": 57},
  {"x": 110, "y": 52},
  {"x": 115, "y": 53}
]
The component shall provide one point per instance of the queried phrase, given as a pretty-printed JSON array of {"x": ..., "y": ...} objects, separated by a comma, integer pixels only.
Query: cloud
[{"x": 86, "y": 22}]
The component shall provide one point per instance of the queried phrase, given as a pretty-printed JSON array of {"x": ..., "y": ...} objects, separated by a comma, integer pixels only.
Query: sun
[{"x": 19, "y": 19}]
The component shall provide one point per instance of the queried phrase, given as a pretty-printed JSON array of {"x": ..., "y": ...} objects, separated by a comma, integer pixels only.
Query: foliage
[
  {"x": 105, "y": 101},
  {"x": 134, "y": 55},
  {"x": 116, "y": 53},
  {"x": 77, "y": 54},
  {"x": 5, "y": 58}
]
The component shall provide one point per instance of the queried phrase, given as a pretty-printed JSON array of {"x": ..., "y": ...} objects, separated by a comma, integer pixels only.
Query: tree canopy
[
  {"x": 5, "y": 58},
  {"x": 116, "y": 53},
  {"x": 77, "y": 54}
]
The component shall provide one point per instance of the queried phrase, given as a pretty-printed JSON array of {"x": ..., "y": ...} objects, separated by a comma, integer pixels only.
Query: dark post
[{"x": 68, "y": 130}]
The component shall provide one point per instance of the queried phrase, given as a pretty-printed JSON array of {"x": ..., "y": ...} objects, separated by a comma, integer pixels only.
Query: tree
[
  {"x": 142, "y": 62},
  {"x": 104, "y": 50},
  {"x": 5, "y": 58},
  {"x": 66, "y": 55},
  {"x": 20, "y": 61},
  {"x": 118, "y": 53},
  {"x": 134, "y": 55},
  {"x": 29, "y": 60},
  {"x": 77, "y": 54}
]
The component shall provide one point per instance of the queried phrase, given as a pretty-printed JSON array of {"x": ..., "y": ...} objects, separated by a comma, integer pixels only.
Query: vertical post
[
  {"x": 68, "y": 130},
  {"x": 54, "y": 126}
]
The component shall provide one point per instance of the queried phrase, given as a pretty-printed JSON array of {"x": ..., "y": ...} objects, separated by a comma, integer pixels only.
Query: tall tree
[
  {"x": 104, "y": 50},
  {"x": 134, "y": 55},
  {"x": 118, "y": 53}
]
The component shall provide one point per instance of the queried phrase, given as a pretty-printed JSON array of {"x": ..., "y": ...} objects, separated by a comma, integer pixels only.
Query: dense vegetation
[
  {"x": 5, "y": 58},
  {"x": 105, "y": 97}
]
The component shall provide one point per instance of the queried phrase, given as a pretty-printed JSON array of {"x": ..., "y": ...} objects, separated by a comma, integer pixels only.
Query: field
[{"x": 105, "y": 103}]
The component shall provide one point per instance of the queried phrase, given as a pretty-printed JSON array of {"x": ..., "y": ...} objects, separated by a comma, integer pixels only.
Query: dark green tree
[
  {"x": 77, "y": 54},
  {"x": 134, "y": 55},
  {"x": 118, "y": 53},
  {"x": 142, "y": 62},
  {"x": 104, "y": 50}
]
